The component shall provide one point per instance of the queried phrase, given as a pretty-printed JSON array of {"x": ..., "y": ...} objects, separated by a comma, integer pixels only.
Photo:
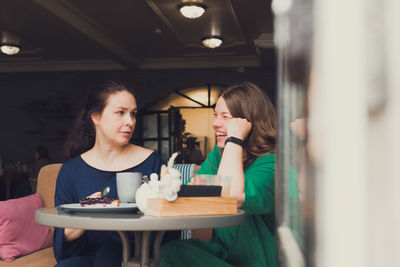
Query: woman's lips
[
  {"x": 221, "y": 136},
  {"x": 126, "y": 134}
]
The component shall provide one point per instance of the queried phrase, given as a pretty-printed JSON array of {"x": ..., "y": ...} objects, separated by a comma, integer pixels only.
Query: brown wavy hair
[
  {"x": 83, "y": 134},
  {"x": 246, "y": 100}
]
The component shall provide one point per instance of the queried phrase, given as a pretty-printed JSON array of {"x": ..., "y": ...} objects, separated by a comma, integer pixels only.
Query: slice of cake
[{"x": 100, "y": 202}]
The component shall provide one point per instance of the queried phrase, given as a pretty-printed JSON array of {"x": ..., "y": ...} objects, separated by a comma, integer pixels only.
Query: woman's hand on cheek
[{"x": 239, "y": 128}]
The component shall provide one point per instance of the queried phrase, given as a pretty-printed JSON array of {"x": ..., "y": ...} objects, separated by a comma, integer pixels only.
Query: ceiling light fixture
[
  {"x": 192, "y": 10},
  {"x": 9, "y": 49},
  {"x": 9, "y": 43},
  {"x": 212, "y": 41}
]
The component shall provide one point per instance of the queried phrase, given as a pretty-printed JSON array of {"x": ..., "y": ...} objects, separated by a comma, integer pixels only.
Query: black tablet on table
[{"x": 200, "y": 191}]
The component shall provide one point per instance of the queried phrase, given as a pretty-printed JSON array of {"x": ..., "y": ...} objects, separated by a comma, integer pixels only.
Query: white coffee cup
[{"x": 127, "y": 184}]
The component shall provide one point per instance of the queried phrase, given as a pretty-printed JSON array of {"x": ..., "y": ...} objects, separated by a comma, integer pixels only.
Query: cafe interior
[{"x": 329, "y": 68}]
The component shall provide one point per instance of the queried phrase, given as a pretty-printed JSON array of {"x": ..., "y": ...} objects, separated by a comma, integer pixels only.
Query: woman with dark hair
[
  {"x": 41, "y": 158},
  {"x": 245, "y": 125},
  {"x": 97, "y": 149}
]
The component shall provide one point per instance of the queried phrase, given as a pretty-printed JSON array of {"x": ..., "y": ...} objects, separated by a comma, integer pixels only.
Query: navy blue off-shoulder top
[{"x": 77, "y": 180}]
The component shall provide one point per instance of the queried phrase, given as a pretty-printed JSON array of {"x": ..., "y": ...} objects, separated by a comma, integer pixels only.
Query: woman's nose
[
  {"x": 216, "y": 122},
  {"x": 129, "y": 120}
]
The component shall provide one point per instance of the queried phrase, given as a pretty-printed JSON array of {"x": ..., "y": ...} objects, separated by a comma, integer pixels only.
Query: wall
[{"x": 18, "y": 89}]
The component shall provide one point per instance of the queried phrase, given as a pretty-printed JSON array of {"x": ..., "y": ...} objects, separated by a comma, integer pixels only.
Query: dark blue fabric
[
  {"x": 106, "y": 256},
  {"x": 77, "y": 180}
]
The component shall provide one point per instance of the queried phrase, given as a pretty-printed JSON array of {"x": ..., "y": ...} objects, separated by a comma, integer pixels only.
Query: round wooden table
[{"x": 141, "y": 224}]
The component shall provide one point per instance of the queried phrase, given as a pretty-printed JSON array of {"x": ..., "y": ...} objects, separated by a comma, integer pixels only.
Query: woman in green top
[{"x": 245, "y": 126}]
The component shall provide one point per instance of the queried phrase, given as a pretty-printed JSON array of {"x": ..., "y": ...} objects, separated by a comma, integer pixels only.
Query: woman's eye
[
  {"x": 133, "y": 114},
  {"x": 120, "y": 112}
]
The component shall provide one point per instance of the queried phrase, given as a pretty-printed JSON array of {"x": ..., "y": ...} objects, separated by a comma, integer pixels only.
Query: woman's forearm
[
  {"x": 232, "y": 165},
  {"x": 71, "y": 234}
]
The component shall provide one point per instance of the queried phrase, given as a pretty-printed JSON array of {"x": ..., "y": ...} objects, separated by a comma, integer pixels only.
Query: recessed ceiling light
[
  {"x": 212, "y": 41},
  {"x": 9, "y": 49},
  {"x": 192, "y": 10}
]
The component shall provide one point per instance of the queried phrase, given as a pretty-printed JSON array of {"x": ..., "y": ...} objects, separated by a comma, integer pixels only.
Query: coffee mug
[{"x": 127, "y": 184}]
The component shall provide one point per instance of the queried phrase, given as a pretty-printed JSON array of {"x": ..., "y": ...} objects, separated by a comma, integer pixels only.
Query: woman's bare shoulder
[
  {"x": 139, "y": 151},
  {"x": 137, "y": 154}
]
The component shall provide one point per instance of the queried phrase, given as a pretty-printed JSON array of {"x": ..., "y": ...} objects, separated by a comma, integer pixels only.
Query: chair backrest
[
  {"x": 186, "y": 170},
  {"x": 46, "y": 184}
]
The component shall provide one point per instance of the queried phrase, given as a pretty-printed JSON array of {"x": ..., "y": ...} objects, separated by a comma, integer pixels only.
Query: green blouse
[
  {"x": 249, "y": 244},
  {"x": 253, "y": 242}
]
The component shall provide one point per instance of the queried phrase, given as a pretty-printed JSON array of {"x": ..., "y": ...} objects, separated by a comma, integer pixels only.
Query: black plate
[{"x": 200, "y": 191}]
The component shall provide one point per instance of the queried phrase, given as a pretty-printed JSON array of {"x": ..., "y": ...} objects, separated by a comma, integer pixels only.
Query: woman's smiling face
[{"x": 222, "y": 115}]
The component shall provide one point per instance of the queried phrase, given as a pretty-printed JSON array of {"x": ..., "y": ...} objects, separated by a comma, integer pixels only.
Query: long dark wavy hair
[
  {"x": 246, "y": 100},
  {"x": 83, "y": 134}
]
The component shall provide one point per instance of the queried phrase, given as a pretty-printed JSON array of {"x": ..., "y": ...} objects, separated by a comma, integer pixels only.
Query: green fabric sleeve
[
  {"x": 259, "y": 181},
  {"x": 211, "y": 164},
  {"x": 260, "y": 186}
]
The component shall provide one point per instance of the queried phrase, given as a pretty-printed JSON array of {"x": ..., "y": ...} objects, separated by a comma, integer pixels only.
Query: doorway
[{"x": 188, "y": 112}]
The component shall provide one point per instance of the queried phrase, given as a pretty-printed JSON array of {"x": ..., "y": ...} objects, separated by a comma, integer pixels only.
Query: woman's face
[
  {"x": 117, "y": 122},
  {"x": 221, "y": 117}
]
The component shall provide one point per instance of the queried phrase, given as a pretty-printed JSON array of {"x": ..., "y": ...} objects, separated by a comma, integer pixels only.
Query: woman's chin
[
  {"x": 221, "y": 144},
  {"x": 123, "y": 141}
]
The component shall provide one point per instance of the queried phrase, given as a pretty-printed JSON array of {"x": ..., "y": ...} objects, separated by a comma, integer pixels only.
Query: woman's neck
[
  {"x": 112, "y": 158},
  {"x": 105, "y": 154}
]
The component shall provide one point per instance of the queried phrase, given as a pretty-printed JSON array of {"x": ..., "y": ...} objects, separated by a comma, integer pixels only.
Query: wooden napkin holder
[{"x": 191, "y": 206}]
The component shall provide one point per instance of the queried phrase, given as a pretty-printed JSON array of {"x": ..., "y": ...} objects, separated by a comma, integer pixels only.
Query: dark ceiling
[{"x": 58, "y": 35}]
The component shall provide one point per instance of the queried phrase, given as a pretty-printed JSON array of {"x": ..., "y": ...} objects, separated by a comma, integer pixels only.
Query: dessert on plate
[{"x": 100, "y": 202}]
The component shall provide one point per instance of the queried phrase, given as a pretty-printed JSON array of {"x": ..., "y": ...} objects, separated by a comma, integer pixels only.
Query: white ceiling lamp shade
[
  {"x": 212, "y": 41},
  {"x": 9, "y": 49},
  {"x": 192, "y": 10},
  {"x": 9, "y": 43}
]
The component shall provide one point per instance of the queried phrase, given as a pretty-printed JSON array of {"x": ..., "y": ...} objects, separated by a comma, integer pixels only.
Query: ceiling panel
[{"x": 126, "y": 34}]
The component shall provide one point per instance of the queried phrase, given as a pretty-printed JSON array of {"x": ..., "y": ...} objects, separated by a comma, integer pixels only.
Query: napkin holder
[{"x": 191, "y": 206}]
